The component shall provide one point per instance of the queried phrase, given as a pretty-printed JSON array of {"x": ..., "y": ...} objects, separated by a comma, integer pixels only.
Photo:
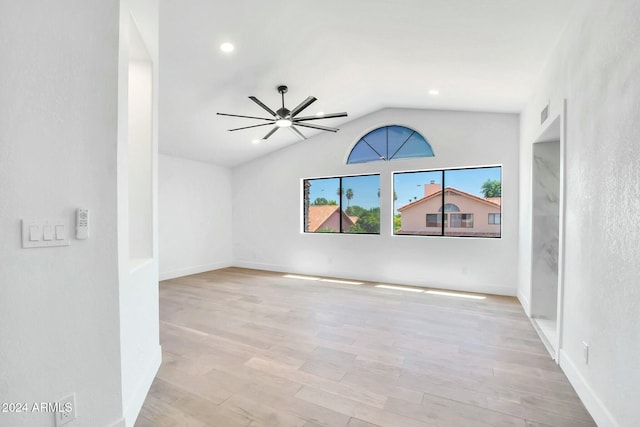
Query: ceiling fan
[{"x": 285, "y": 118}]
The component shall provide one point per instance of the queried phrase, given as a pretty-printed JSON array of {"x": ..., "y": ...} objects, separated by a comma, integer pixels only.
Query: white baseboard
[
  {"x": 487, "y": 289},
  {"x": 172, "y": 274},
  {"x": 132, "y": 410},
  {"x": 524, "y": 302},
  {"x": 594, "y": 405},
  {"x": 120, "y": 423},
  {"x": 262, "y": 266},
  {"x": 545, "y": 341}
]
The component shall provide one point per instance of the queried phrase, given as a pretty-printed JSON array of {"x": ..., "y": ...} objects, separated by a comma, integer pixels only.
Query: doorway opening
[{"x": 546, "y": 241}]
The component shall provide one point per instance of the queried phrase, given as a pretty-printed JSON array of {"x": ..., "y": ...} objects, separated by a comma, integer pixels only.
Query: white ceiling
[{"x": 353, "y": 55}]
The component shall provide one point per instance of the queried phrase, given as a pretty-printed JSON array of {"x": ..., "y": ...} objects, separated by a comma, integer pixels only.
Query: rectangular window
[
  {"x": 415, "y": 195},
  {"x": 434, "y": 220},
  {"x": 454, "y": 202},
  {"x": 349, "y": 204},
  {"x": 461, "y": 220}
]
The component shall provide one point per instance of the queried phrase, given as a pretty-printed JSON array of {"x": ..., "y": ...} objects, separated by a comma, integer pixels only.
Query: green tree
[
  {"x": 349, "y": 196},
  {"x": 491, "y": 188},
  {"x": 321, "y": 201},
  {"x": 397, "y": 222},
  {"x": 368, "y": 222},
  {"x": 326, "y": 230},
  {"x": 355, "y": 210}
]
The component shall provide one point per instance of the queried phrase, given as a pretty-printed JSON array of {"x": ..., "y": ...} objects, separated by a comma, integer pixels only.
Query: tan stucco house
[{"x": 464, "y": 214}]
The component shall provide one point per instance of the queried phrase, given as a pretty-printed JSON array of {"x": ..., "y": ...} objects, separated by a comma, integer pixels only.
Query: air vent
[{"x": 544, "y": 114}]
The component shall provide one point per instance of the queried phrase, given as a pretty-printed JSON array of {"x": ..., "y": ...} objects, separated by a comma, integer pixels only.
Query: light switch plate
[{"x": 44, "y": 233}]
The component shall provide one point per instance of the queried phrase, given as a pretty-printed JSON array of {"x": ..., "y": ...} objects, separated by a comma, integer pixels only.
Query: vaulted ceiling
[{"x": 353, "y": 55}]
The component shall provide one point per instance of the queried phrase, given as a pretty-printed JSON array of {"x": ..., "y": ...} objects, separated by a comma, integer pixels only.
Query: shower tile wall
[{"x": 546, "y": 208}]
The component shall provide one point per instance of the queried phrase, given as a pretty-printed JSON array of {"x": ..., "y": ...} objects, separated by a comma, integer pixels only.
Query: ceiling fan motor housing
[
  {"x": 285, "y": 118},
  {"x": 283, "y": 113}
]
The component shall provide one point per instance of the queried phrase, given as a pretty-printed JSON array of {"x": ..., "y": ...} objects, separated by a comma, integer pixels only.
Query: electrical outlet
[
  {"x": 585, "y": 352},
  {"x": 65, "y": 410}
]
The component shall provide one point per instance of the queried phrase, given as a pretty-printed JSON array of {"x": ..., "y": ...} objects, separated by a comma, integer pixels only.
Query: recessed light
[
  {"x": 256, "y": 141},
  {"x": 320, "y": 113},
  {"x": 226, "y": 47},
  {"x": 434, "y": 92}
]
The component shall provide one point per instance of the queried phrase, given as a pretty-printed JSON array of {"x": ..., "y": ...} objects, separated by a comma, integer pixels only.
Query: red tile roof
[{"x": 319, "y": 214}]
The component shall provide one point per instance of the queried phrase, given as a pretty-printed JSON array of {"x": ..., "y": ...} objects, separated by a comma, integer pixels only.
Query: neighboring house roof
[
  {"x": 496, "y": 200},
  {"x": 319, "y": 214},
  {"x": 354, "y": 219},
  {"x": 492, "y": 201}
]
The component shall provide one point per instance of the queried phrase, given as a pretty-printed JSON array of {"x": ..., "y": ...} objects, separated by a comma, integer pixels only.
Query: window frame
[
  {"x": 445, "y": 220},
  {"x": 387, "y": 156},
  {"x": 306, "y": 204}
]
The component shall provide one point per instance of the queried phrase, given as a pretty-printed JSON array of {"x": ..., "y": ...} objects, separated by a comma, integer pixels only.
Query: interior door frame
[{"x": 544, "y": 136}]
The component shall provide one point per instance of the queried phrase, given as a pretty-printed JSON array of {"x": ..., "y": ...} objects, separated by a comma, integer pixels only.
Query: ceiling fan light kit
[{"x": 285, "y": 118}]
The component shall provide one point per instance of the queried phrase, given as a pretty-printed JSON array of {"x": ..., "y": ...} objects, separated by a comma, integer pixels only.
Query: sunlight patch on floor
[
  {"x": 400, "y": 288},
  {"x": 456, "y": 294},
  {"x": 320, "y": 279}
]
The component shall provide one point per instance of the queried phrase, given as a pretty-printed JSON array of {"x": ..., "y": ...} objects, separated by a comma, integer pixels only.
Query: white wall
[
  {"x": 595, "y": 67},
  {"x": 267, "y": 207},
  {"x": 59, "y": 322},
  {"x": 194, "y": 216},
  {"x": 137, "y": 148}
]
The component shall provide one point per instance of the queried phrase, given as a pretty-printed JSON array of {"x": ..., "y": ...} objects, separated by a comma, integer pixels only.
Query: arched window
[
  {"x": 388, "y": 143},
  {"x": 450, "y": 207}
]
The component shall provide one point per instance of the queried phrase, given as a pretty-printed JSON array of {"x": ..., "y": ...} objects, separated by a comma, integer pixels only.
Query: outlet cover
[
  {"x": 66, "y": 410},
  {"x": 585, "y": 352}
]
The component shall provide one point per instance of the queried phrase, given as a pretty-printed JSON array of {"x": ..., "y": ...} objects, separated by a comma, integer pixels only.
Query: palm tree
[
  {"x": 491, "y": 188},
  {"x": 349, "y": 196}
]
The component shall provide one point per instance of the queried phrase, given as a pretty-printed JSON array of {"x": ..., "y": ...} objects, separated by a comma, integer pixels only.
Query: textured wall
[
  {"x": 267, "y": 206},
  {"x": 59, "y": 325},
  {"x": 595, "y": 67}
]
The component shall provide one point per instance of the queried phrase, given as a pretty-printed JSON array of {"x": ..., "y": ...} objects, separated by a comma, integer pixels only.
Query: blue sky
[
  {"x": 411, "y": 185},
  {"x": 407, "y": 185},
  {"x": 365, "y": 190}
]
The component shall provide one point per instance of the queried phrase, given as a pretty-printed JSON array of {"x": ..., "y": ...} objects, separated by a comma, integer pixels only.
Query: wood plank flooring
[{"x": 248, "y": 348}]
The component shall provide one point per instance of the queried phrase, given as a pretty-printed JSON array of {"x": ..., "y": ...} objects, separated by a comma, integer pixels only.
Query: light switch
[
  {"x": 34, "y": 233},
  {"x": 44, "y": 233},
  {"x": 47, "y": 232},
  {"x": 61, "y": 234}
]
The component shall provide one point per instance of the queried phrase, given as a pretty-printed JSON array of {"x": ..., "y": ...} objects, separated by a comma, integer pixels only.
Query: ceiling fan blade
[
  {"x": 254, "y": 126},
  {"x": 257, "y": 101},
  {"x": 271, "y": 132},
  {"x": 324, "y": 116},
  {"x": 304, "y": 104},
  {"x": 245, "y": 117},
  {"x": 306, "y": 125},
  {"x": 298, "y": 133}
]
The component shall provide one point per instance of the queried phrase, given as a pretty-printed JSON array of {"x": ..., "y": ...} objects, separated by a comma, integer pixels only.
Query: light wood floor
[{"x": 252, "y": 348}]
